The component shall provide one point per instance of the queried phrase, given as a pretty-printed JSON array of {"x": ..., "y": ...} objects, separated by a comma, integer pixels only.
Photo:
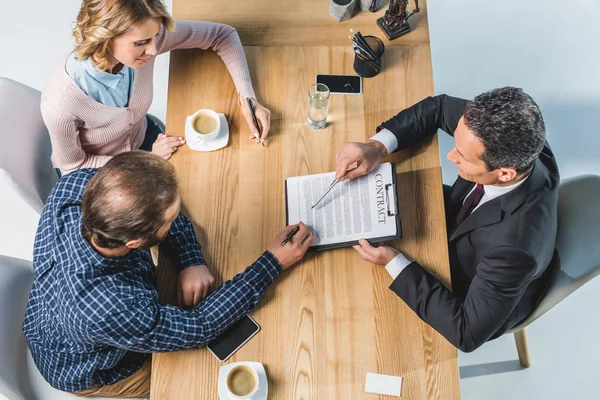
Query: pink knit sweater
[{"x": 86, "y": 134}]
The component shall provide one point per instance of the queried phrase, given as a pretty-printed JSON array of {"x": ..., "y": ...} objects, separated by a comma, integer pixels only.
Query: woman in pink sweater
[{"x": 96, "y": 99}]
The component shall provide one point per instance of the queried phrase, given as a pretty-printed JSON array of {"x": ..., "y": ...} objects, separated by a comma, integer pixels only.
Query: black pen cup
[{"x": 369, "y": 68}]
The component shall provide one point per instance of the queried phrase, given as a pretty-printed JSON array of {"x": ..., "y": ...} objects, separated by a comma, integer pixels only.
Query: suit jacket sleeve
[
  {"x": 501, "y": 279},
  {"x": 415, "y": 124}
]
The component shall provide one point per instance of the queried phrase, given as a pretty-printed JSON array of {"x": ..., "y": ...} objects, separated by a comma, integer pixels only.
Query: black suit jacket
[{"x": 499, "y": 255}]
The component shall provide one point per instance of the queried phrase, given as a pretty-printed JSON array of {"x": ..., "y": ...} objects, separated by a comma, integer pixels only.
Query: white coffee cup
[
  {"x": 241, "y": 388},
  {"x": 205, "y": 123}
]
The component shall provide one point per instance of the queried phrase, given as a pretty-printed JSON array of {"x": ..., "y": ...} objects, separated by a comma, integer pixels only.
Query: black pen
[
  {"x": 253, "y": 112},
  {"x": 290, "y": 236}
]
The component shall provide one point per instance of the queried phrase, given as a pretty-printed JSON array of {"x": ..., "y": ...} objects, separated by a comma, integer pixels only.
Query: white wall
[{"x": 550, "y": 48}]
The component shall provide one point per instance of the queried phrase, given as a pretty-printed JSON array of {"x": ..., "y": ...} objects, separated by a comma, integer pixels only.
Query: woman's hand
[
  {"x": 263, "y": 116},
  {"x": 165, "y": 145}
]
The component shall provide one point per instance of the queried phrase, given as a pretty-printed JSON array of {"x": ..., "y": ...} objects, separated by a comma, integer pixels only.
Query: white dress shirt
[
  {"x": 387, "y": 138},
  {"x": 398, "y": 263}
]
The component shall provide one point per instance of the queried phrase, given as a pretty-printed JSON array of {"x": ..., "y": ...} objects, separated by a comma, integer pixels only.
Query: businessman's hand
[
  {"x": 193, "y": 285},
  {"x": 293, "y": 250},
  {"x": 355, "y": 159},
  {"x": 381, "y": 255}
]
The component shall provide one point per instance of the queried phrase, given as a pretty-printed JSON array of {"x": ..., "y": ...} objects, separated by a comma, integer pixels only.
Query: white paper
[
  {"x": 383, "y": 384},
  {"x": 353, "y": 209}
]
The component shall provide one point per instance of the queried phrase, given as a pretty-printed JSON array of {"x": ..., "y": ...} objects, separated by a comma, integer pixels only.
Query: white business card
[{"x": 383, "y": 384}]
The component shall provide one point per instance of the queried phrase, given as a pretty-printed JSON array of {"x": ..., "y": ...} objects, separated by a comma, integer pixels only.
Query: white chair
[
  {"x": 25, "y": 150},
  {"x": 19, "y": 378},
  {"x": 25, "y": 158},
  {"x": 577, "y": 247},
  {"x": 26, "y": 174},
  {"x": 16, "y": 277}
]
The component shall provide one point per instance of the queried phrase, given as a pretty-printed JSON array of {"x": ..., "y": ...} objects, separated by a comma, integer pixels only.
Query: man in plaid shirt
[{"x": 93, "y": 316}]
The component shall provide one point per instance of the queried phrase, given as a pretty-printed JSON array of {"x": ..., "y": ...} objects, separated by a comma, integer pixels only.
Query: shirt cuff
[
  {"x": 268, "y": 266},
  {"x": 397, "y": 265},
  {"x": 191, "y": 257},
  {"x": 387, "y": 138}
]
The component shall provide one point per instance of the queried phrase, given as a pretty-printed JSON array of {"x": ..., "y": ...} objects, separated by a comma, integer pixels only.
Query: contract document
[{"x": 365, "y": 207}]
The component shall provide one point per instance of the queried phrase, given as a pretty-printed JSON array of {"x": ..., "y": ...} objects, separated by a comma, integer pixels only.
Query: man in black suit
[{"x": 500, "y": 212}]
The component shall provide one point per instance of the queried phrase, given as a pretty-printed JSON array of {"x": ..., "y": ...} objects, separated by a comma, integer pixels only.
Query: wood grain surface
[
  {"x": 331, "y": 319},
  {"x": 297, "y": 22}
]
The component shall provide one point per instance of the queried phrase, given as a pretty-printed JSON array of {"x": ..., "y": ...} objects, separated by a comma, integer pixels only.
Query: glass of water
[{"x": 318, "y": 103}]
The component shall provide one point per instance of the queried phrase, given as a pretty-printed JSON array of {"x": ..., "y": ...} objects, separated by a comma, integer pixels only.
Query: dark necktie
[{"x": 469, "y": 205}]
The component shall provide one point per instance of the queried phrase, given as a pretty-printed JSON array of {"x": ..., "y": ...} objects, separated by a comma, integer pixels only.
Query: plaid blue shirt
[{"x": 93, "y": 321}]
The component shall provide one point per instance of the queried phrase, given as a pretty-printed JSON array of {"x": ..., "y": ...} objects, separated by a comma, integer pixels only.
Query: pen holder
[
  {"x": 342, "y": 10},
  {"x": 369, "y": 68}
]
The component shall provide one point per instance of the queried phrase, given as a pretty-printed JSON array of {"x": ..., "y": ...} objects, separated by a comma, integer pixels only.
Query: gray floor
[
  {"x": 547, "y": 47},
  {"x": 564, "y": 348}
]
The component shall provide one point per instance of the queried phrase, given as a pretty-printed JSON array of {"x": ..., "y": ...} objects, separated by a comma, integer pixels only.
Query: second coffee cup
[{"x": 242, "y": 382}]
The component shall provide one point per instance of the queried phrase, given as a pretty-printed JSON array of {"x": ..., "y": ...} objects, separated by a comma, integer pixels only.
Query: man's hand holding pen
[
  {"x": 355, "y": 159},
  {"x": 294, "y": 247}
]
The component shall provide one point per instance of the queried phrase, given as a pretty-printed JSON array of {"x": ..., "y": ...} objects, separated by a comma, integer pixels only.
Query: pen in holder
[{"x": 369, "y": 63}]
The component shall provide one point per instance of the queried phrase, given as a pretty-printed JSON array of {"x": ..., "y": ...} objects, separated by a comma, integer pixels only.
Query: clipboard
[{"x": 393, "y": 210}]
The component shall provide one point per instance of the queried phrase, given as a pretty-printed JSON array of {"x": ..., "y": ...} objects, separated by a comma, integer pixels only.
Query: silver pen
[{"x": 325, "y": 194}]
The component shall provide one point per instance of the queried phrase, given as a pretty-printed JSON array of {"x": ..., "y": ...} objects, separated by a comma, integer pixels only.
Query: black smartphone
[
  {"x": 343, "y": 84},
  {"x": 228, "y": 342}
]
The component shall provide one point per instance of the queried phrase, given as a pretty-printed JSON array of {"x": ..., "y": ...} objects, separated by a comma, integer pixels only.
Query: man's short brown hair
[{"x": 127, "y": 199}]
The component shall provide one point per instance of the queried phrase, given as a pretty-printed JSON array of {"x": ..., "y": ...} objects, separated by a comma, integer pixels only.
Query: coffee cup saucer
[
  {"x": 263, "y": 386},
  {"x": 214, "y": 143}
]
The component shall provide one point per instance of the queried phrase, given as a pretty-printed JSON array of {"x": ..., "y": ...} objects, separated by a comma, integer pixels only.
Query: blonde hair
[{"x": 100, "y": 21}]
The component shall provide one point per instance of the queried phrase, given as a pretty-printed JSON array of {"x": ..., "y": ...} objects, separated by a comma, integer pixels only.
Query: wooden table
[{"x": 331, "y": 319}]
